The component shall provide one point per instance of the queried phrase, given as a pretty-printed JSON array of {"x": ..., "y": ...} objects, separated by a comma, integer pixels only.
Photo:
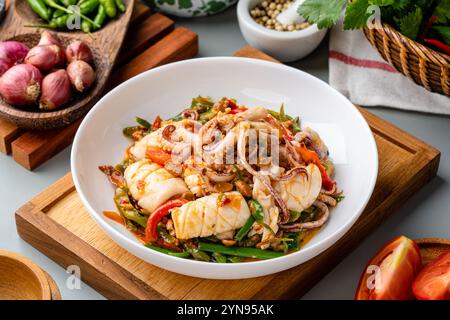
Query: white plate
[{"x": 167, "y": 90}]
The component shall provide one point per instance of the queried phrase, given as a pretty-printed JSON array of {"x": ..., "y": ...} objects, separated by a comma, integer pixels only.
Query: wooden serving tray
[
  {"x": 152, "y": 40},
  {"x": 56, "y": 223}
]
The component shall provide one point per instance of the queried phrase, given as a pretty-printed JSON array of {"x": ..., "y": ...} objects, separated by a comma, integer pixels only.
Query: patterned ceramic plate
[{"x": 191, "y": 8}]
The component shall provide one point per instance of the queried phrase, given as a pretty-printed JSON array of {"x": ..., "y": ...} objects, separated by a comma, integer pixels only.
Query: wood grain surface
[
  {"x": 56, "y": 223},
  {"x": 104, "y": 43},
  {"x": 151, "y": 41}
]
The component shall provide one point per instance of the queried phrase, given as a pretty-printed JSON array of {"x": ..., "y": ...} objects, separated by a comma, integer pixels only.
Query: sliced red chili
[{"x": 157, "y": 215}]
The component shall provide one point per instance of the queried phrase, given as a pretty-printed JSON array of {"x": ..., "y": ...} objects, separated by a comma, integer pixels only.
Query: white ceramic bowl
[
  {"x": 168, "y": 89},
  {"x": 284, "y": 46}
]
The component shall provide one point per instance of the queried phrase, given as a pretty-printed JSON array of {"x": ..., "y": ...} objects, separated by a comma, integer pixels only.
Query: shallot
[
  {"x": 21, "y": 85},
  {"x": 45, "y": 57},
  {"x": 55, "y": 90},
  {"x": 78, "y": 50},
  {"x": 81, "y": 75},
  {"x": 11, "y": 52},
  {"x": 48, "y": 38}
]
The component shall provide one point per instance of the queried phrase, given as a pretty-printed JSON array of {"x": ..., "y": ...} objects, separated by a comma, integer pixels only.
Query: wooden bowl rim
[
  {"x": 33, "y": 268},
  {"x": 431, "y": 241},
  {"x": 84, "y": 104},
  {"x": 392, "y": 32}
]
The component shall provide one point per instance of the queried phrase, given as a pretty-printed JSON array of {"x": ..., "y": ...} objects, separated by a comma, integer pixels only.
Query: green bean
[
  {"x": 239, "y": 251},
  {"x": 126, "y": 209},
  {"x": 235, "y": 259},
  {"x": 110, "y": 7},
  {"x": 101, "y": 15},
  {"x": 219, "y": 258},
  {"x": 120, "y": 5},
  {"x": 39, "y": 7},
  {"x": 245, "y": 229},
  {"x": 89, "y": 6},
  {"x": 196, "y": 253},
  {"x": 183, "y": 254}
]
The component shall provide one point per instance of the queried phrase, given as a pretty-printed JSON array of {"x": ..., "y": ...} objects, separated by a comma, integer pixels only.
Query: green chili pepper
[
  {"x": 86, "y": 26},
  {"x": 196, "y": 253},
  {"x": 239, "y": 251},
  {"x": 101, "y": 15},
  {"x": 58, "y": 13},
  {"x": 68, "y": 3},
  {"x": 183, "y": 254},
  {"x": 126, "y": 209},
  {"x": 53, "y": 4},
  {"x": 110, "y": 7},
  {"x": 40, "y": 8},
  {"x": 257, "y": 212},
  {"x": 144, "y": 123},
  {"x": 121, "y": 6},
  {"x": 50, "y": 13},
  {"x": 245, "y": 229},
  {"x": 219, "y": 258},
  {"x": 89, "y": 6}
]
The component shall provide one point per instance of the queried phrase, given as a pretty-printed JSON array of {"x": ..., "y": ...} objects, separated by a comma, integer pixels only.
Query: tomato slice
[
  {"x": 158, "y": 155},
  {"x": 433, "y": 282},
  {"x": 390, "y": 274}
]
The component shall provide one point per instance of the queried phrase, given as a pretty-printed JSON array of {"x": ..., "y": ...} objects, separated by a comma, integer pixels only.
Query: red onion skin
[
  {"x": 78, "y": 50},
  {"x": 48, "y": 38},
  {"x": 55, "y": 90},
  {"x": 11, "y": 52},
  {"x": 21, "y": 85},
  {"x": 45, "y": 57},
  {"x": 81, "y": 75}
]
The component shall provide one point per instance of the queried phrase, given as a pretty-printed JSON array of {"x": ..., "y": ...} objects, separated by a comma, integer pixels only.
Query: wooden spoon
[{"x": 104, "y": 43}]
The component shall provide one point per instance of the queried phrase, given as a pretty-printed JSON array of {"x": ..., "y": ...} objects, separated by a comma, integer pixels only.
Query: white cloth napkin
[{"x": 359, "y": 72}]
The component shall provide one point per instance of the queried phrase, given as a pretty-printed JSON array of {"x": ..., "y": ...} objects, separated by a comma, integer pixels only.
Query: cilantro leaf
[
  {"x": 409, "y": 24},
  {"x": 356, "y": 15},
  {"x": 324, "y": 13},
  {"x": 444, "y": 32}
]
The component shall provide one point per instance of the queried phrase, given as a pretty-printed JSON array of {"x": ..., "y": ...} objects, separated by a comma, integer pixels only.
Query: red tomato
[
  {"x": 390, "y": 274},
  {"x": 158, "y": 155},
  {"x": 433, "y": 282}
]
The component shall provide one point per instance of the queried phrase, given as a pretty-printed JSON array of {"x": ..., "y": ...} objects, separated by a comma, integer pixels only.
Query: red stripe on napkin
[{"x": 371, "y": 64}]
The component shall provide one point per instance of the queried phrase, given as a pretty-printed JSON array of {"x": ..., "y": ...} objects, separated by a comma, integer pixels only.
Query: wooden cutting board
[
  {"x": 56, "y": 223},
  {"x": 152, "y": 40}
]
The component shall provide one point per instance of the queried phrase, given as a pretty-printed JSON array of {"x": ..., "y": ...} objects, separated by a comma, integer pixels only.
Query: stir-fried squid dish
[{"x": 224, "y": 183}]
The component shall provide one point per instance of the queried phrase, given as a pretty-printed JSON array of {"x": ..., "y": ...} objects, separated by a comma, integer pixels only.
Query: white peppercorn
[{"x": 266, "y": 14}]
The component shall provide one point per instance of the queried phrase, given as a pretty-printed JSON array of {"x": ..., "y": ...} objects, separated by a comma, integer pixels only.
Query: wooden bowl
[
  {"x": 105, "y": 44},
  {"x": 22, "y": 279},
  {"x": 431, "y": 248}
]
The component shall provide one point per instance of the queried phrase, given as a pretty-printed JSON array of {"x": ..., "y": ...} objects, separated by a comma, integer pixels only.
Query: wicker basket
[{"x": 423, "y": 65}]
